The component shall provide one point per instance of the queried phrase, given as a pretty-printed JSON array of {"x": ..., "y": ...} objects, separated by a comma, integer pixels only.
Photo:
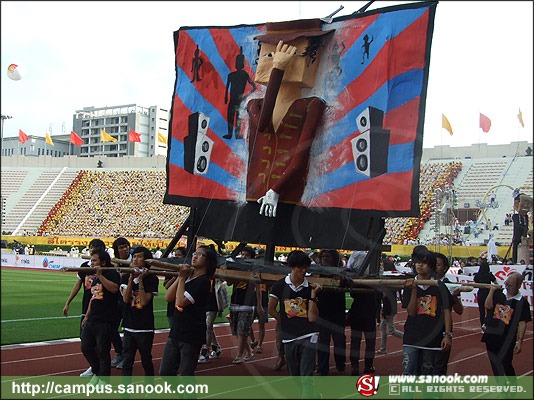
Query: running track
[{"x": 64, "y": 358}]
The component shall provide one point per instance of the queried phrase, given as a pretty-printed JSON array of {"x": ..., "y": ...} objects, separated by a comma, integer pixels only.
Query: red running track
[{"x": 64, "y": 358}]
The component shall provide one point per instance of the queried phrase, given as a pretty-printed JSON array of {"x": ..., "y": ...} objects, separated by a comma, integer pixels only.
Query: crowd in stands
[
  {"x": 112, "y": 203},
  {"x": 433, "y": 176}
]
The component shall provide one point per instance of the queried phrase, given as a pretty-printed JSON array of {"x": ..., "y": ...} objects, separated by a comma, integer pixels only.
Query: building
[
  {"x": 150, "y": 122},
  {"x": 37, "y": 146}
]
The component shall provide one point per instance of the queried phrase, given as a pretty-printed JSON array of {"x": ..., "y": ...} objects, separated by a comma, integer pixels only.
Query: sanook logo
[{"x": 367, "y": 385}]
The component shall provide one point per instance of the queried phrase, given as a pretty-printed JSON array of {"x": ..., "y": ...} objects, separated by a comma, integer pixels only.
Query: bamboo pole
[
  {"x": 119, "y": 269},
  {"x": 228, "y": 274}
]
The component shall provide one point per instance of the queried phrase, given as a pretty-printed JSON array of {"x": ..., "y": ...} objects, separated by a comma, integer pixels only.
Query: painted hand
[
  {"x": 269, "y": 203},
  {"x": 283, "y": 55}
]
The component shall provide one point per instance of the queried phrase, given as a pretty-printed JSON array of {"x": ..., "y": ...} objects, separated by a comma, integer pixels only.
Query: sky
[{"x": 79, "y": 54}]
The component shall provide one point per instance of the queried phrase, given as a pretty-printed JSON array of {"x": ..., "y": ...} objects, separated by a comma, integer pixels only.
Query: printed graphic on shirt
[
  {"x": 504, "y": 313},
  {"x": 296, "y": 307},
  {"x": 88, "y": 281},
  {"x": 242, "y": 285},
  {"x": 98, "y": 291},
  {"x": 136, "y": 300},
  {"x": 427, "y": 305}
]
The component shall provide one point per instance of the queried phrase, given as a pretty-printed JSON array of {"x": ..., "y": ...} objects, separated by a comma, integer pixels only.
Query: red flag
[
  {"x": 485, "y": 123},
  {"x": 75, "y": 139},
  {"x": 22, "y": 136},
  {"x": 134, "y": 137}
]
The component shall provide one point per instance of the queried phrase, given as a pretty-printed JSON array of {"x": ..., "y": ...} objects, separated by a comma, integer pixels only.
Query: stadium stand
[{"x": 109, "y": 202}]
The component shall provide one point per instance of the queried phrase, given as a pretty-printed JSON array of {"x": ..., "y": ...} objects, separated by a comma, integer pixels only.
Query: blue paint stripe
[
  {"x": 204, "y": 40},
  {"x": 244, "y": 37},
  {"x": 215, "y": 172},
  {"x": 392, "y": 94},
  {"x": 386, "y": 27},
  {"x": 400, "y": 159},
  {"x": 194, "y": 100}
]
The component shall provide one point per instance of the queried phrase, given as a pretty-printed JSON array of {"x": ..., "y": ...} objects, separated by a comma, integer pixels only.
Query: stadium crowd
[{"x": 115, "y": 203}]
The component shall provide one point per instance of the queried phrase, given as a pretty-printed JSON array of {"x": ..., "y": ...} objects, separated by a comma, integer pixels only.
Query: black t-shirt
[
  {"x": 293, "y": 310},
  {"x": 502, "y": 321},
  {"x": 243, "y": 294},
  {"x": 482, "y": 277},
  {"x": 137, "y": 317},
  {"x": 103, "y": 302},
  {"x": 212, "y": 299},
  {"x": 170, "y": 304},
  {"x": 427, "y": 327},
  {"x": 364, "y": 309},
  {"x": 87, "y": 281},
  {"x": 189, "y": 324},
  {"x": 331, "y": 306}
]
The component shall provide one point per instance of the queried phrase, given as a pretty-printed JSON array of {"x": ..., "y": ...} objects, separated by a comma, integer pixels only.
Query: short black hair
[
  {"x": 250, "y": 250},
  {"x": 103, "y": 256},
  {"x": 182, "y": 250},
  {"x": 445, "y": 260},
  {"x": 141, "y": 249},
  {"x": 119, "y": 242},
  {"x": 297, "y": 258},
  {"x": 97, "y": 244}
]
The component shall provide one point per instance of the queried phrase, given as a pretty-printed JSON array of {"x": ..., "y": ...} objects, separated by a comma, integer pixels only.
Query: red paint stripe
[
  {"x": 402, "y": 123},
  {"x": 409, "y": 54},
  {"x": 386, "y": 192},
  {"x": 211, "y": 85},
  {"x": 351, "y": 30},
  {"x": 228, "y": 50},
  {"x": 224, "y": 157},
  {"x": 182, "y": 183}
]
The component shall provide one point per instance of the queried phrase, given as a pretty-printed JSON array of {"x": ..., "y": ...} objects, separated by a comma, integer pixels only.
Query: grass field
[{"x": 32, "y": 306}]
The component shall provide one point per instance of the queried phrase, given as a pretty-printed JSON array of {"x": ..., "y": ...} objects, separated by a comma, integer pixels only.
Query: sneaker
[
  {"x": 483, "y": 328},
  {"x": 212, "y": 355},
  {"x": 253, "y": 344},
  {"x": 259, "y": 350},
  {"x": 370, "y": 370},
  {"x": 216, "y": 349},
  {"x": 248, "y": 357},
  {"x": 381, "y": 351},
  {"x": 202, "y": 359},
  {"x": 120, "y": 365},
  {"x": 116, "y": 361},
  {"x": 88, "y": 372},
  {"x": 94, "y": 381}
]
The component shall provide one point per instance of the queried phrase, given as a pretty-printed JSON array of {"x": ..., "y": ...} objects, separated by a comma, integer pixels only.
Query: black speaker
[
  {"x": 370, "y": 118},
  {"x": 370, "y": 149},
  {"x": 197, "y": 145}
]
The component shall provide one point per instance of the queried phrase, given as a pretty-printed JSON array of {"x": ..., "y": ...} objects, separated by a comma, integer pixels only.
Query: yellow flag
[
  {"x": 105, "y": 137},
  {"x": 520, "y": 116},
  {"x": 161, "y": 138},
  {"x": 49, "y": 140},
  {"x": 445, "y": 123}
]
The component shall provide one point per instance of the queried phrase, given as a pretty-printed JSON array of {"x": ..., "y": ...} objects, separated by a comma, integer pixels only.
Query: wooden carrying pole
[{"x": 259, "y": 277}]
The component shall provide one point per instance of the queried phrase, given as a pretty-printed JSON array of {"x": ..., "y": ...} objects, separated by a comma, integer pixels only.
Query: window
[
  {"x": 124, "y": 120},
  {"x": 96, "y": 122},
  {"x": 86, "y": 123},
  {"x": 39, "y": 151},
  {"x": 85, "y": 132}
]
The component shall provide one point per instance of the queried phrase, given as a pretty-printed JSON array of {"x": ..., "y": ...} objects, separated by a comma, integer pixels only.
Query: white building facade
[{"x": 117, "y": 121}]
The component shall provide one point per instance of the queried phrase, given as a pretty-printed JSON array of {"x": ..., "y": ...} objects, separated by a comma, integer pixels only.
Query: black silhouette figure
[
  {"x": 366, "y": 46},
  {"x": 195, "y": 68},
  {"x": 334, "y": 58},
  {"x": 237, "y": 82}
]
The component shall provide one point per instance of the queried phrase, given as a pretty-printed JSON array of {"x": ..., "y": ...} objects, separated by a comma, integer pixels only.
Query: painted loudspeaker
[
  {"x": 370, "y": 149},
  {"x": 197, "y": 145}
]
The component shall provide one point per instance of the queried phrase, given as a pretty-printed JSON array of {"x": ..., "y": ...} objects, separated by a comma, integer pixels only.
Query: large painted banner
[{"x": 357, "y": 134}]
